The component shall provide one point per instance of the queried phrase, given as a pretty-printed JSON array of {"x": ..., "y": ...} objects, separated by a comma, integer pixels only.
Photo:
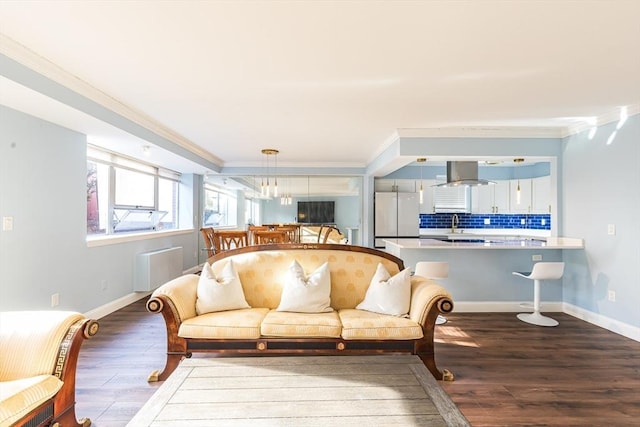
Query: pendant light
[
  {"x": 518, "y": 193},
  {"x": 266, "y": 189},
  {"x": 421, "y": 160}
]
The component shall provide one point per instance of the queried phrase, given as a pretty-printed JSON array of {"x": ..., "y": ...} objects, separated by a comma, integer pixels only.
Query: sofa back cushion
[{"x": 262, "y": 273}]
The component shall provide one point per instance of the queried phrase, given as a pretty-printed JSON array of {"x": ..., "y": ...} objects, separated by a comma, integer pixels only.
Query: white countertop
[{"x": 493, "y": 243}]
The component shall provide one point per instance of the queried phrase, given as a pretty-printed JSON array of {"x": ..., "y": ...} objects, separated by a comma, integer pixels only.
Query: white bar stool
[
  {"x": 541, "y": 271},
  {"x": 433, "y": 270}
]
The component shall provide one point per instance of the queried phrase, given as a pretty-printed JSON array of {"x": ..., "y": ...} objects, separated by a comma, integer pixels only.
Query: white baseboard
[
  {"x": 115, "y": 305},
  {"x": 612, "y": 325},
  {"x": 501, "y": 307},
  {"x": 624, "y": 329},
  {"x": 124, "y": 301}
]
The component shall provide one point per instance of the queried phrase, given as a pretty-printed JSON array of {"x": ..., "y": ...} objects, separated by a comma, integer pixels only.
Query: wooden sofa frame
[
  {"x": 179, "y": 348},
  {"x": 59, "y": 411}
]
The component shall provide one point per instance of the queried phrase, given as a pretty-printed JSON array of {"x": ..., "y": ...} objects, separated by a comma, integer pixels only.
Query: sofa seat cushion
[
  {"x": 365, "y": 325},
  {"x": 19, "y": 397},
  {"x": 301, "y": 325},
  {"x": 232, "y": 324}
]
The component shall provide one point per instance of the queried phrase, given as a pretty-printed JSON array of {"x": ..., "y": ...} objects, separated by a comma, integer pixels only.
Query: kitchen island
[
  {"x": 480, "y": 268},
  {"x": 469, "y": 241}
]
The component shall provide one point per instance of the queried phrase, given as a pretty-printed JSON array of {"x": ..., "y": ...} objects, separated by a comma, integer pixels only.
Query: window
[
  {"x": 126, "y": 195},
  {"x": 220, "y": 208},
  {"x": 252, "y": 212}
]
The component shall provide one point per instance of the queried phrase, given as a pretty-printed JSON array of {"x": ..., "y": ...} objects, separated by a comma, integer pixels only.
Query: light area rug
[{"x": 380, "y": 390}]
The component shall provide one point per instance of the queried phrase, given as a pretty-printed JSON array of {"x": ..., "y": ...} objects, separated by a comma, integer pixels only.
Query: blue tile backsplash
[{"x": 531, "y": 221}]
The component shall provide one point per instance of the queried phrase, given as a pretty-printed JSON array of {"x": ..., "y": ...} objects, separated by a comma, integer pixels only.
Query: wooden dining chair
[
  {"x": 270, "y": 237},
  {"x": 211, "y": 242},
  {"x": 252, "y": 229},
  {"x": 292, "y": 233},
  {"x": 231, "y": 239}
]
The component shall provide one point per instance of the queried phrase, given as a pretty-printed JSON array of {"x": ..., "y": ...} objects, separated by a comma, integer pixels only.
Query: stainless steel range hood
[{"x": 463, "y": 173}]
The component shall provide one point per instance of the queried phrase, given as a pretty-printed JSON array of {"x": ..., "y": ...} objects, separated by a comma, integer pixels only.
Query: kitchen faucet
[{"x": 454, "y": 222}]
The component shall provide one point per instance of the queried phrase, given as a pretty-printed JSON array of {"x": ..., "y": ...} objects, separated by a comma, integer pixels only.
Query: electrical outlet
[
  {"x": 611, "y": 296},
  {"x": 522, "y": 221},
  {"x": 543, "y": 221},
  {"x": 487, "y": 221},
  {"x": 55, "y": 300},
  {"x": 536, "y": 258},
  {"x": 611, "y": 229}
]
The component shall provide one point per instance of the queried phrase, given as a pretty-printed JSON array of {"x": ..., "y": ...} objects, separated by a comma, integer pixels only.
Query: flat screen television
[{"x": 316, "y": 212}]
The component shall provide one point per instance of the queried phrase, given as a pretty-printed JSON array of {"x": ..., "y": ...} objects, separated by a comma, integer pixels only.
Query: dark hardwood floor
[{"x": 508, "y": 373}]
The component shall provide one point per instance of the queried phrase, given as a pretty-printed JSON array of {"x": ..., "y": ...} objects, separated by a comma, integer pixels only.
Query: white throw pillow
[
  {"x": 302, "y": 294},
  {"x": 388, "y": 295},
  {"x": 219, "y": 293}
]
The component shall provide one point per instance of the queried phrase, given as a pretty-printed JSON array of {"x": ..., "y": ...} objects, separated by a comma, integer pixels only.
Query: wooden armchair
[{"x": 39, "y": 354}]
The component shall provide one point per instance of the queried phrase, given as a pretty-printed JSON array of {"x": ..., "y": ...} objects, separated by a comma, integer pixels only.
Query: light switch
[
  {"x": 7, "y": 223},
  {"x": 611, "y": 229}
]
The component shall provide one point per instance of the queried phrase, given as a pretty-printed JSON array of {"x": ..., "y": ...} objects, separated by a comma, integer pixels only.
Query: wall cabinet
[
  {"x": 541, "y": 195},
  {"x": 498, "y": 198},
  {"x": 396, "y": 185},
  {"x": 428, "y": 199},
  {"x": 492, "y": 198}
]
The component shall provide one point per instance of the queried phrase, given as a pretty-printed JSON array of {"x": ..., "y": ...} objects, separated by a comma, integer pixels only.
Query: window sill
[{"x": 111, "y": 239}]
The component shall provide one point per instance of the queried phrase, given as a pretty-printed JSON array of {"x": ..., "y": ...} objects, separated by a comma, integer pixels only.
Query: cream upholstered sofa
[
  {"x": 38, "y": 358},
  {"x": 262, "y": 326}
]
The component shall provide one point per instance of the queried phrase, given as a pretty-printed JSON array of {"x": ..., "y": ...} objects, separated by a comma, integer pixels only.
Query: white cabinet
[
  {"x": 541, "y": 197},
  {"x": 492, "y": 198},
  {"x": 396, "y": 185},
  {"x": 520, "y": 203},
  {"x": 428, "y": 202},
  {"x": 482, "y": 199},
  {"x": 501, "y": 197}
]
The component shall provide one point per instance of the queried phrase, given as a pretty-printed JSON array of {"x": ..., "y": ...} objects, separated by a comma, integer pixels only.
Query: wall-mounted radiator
[{"x": 153, "y": 269}]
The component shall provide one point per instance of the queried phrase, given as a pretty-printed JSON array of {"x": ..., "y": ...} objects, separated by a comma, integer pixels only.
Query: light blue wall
[
  {"x": 42, "y": 186},
  {"x": 601, "y": 187}
]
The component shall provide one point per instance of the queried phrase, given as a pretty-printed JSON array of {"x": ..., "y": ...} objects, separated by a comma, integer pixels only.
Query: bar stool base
[{"x": 537, "y": 319}]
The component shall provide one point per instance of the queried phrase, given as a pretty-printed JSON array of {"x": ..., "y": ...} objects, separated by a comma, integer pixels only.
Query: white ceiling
[{"x": 329, "y": 82}]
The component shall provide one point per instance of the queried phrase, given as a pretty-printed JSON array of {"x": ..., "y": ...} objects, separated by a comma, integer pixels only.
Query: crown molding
[
  {"x": 610, "y": 117},
  {"x": 38, "y": 64},
  {"x": 482, "y": 132}
]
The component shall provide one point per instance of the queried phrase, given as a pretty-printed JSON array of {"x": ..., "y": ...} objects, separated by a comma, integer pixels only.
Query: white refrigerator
[{"x": 396, "y": 215}]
